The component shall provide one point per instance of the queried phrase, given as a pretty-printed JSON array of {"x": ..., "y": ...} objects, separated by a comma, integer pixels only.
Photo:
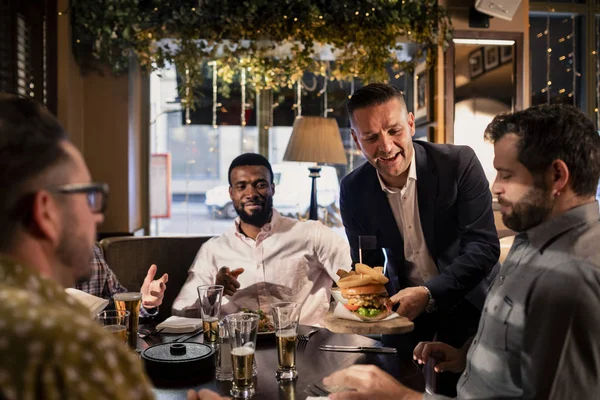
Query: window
[
  {"x": 202, "y": 150},
  {"x": 557, "y": 62}
]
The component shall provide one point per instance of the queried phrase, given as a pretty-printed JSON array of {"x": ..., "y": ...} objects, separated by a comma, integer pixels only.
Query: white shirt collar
[
  {"x": 412, "y": 175},
  {"x": 268, "y": 227}
]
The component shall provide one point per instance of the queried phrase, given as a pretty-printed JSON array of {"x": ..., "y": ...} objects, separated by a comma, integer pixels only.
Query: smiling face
[
  {"x": 384, "y": 134},
  {"x": 525, "y": 201},
  {"x": 251, "y": 192}
]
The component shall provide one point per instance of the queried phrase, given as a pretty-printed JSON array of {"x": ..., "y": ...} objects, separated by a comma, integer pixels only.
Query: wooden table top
[{"x": 312, "y": 366}]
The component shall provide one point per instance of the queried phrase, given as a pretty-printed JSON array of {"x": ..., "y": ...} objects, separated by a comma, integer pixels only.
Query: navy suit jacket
[{"x": 455, "y": 208}]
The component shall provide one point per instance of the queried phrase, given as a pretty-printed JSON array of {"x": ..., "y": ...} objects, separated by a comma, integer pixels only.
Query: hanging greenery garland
[{"x": 275, "y": 40}]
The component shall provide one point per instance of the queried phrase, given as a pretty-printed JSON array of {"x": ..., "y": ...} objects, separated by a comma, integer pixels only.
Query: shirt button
[
  {"x": 410, "y": 227},
  {"x": 404, "y": 198},
  {"x": 475, "y": 341},
  {"x": 465, "y": 374}
]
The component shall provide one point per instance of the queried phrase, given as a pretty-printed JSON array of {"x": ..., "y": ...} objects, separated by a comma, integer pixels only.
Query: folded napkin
[
  {"x": 316, "y": 398},
  {"x": 93, "y": 303},
  {"x": 176, "y": 324},
  {"x": 343, "y": 313}
]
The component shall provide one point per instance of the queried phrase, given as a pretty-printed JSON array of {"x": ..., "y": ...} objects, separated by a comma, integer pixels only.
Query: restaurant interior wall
[{"x": 106, "y": 117}]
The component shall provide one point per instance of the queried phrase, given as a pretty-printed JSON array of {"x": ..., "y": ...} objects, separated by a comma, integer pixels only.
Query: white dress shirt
[
  {"x": 289, "y": 261},
  {"x": 405, "y": 207}
]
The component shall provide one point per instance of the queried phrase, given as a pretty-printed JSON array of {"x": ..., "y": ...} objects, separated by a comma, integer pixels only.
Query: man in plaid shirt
[{"x": 104, "y": 283}]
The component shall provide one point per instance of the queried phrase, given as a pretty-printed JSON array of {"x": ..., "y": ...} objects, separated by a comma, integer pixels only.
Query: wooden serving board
[{"x": 389, "y": 327}]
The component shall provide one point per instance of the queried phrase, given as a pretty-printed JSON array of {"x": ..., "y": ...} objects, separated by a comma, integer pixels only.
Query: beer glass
[
  {"x": 130, "y": 301},
  {"x": 116, "y": 322},
  {"x": 285, "y": 318},
  {"x": 210, "y": 306},
  {"x": 242, "y": 328}
]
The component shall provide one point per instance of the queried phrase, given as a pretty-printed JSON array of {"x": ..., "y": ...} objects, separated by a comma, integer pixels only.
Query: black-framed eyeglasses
[{"x": 96, "y": 193}]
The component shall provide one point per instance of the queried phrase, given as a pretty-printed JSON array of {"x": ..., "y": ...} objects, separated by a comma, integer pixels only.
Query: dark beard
[
  {"x": 531, "y": 211},
  {"x": 258, "y": 218}
]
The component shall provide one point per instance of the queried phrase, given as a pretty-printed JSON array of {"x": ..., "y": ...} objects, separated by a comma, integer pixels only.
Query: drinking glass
[
  {"x": 242, "y": 328},
  {"x": 210, "y": 306},
  {"x": 130, "y": 301},
  {"x": 286, "y": 316},
  {"x": 224, "y": 369},
  {"x": 116, "y": 322}
]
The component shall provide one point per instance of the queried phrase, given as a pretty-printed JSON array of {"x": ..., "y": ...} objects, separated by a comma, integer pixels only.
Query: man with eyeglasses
[{"x": 49, "y": 210}]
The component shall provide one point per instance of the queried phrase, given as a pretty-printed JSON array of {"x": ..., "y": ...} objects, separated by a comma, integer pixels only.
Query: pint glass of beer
[
  {"x": 285, "y": 318},
  {"x": 242, "y": 328},
  {"x": 131, "y": 302},
  {"x": 210, "y": 306},
  {"x": 116, "y": 322}
]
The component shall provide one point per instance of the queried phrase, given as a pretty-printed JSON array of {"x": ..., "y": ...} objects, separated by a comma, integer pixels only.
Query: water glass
[
  {"x": 210, "y": 297},
  {"x": 286, "y": 317},
  {"x": 224, "y": 370},
  {"x": 116, "y": 322},
  {"x": 242, "y": 328}
]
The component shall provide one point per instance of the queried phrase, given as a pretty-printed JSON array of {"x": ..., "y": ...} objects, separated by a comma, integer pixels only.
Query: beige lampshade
[{"x": 316, "y": 139}]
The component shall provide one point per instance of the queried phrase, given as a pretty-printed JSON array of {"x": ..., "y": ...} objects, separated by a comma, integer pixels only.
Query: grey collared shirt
[{"x": 539, "y": 333}]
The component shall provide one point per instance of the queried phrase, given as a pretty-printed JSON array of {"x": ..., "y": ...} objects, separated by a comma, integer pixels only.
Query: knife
[{"x": 359, "y": 349}]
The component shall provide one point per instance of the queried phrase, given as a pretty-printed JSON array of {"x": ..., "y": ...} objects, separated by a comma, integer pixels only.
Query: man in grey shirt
[{"x": 538, "y": 333}]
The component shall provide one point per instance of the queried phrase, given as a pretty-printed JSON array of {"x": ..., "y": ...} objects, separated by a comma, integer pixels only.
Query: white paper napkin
[
  {"x": 316, "y": 398},
  {"x": 175, "y": 324},
  {"x": 343, "y": 313},
  {"x": 93, "y": 303}
]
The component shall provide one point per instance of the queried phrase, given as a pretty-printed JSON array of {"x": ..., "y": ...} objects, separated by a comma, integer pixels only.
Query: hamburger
[{"x": 368, "y": 302}]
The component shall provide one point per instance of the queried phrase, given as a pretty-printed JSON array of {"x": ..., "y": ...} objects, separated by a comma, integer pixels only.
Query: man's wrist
[{"x": 431, "y": 304}]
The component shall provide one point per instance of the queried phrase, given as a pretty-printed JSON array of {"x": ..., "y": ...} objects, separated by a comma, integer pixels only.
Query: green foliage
[{"x": 275, "y": 40}]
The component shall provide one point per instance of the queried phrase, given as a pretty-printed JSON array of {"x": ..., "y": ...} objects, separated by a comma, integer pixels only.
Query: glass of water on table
[{"x": 210, "y": 297}]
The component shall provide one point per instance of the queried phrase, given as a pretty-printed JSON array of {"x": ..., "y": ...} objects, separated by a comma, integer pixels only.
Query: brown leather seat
[{"x": 130, "y": 258}]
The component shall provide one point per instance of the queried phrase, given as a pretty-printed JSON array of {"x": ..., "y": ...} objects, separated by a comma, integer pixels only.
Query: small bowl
[{"x": 337, "y": 295}]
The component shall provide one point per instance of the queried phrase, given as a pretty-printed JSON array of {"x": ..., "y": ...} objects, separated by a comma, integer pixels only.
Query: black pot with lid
[{"x": 179, "y": 364}]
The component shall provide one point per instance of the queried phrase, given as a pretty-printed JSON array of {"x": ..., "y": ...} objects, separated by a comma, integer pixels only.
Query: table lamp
[{"x": 317, "y": 140}]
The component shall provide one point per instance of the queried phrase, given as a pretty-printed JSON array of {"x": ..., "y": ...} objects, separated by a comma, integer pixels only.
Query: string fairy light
[
  {"x": 548, "y": 53},
  {"x": 215, "y": 106},
  {"x": 188, "y": 144},
  {"x": 574, "y": 59},
  {"x": 243, "y": 110},
  {"x": 299, "y": 97}
]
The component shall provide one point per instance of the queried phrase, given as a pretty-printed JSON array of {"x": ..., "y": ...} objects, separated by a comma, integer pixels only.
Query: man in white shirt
[{"x": 266, "y": 257}]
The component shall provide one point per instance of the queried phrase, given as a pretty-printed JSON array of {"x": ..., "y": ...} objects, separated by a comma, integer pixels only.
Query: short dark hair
[
  {"x": 30, "y": 143},
  {"x": 552, "y": 132},
  {"x": 248, "y": 159},
  {"x": 373, "y": 94}
]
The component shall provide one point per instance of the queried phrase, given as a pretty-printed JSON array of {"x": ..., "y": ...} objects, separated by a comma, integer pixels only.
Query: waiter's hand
[
  {"x": 412, "y": 301},
  {"x": 366, "y": 382},
  {"x": 447, "y": 357},
  {"x": 229, "y": 280}
]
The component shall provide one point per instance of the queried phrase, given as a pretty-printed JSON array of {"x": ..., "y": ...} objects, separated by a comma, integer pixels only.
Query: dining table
[{"x": 312, "y": 365}]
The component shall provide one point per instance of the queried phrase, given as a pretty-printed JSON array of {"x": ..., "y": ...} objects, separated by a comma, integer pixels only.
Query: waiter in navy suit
[{"x": 428, "y": 208}]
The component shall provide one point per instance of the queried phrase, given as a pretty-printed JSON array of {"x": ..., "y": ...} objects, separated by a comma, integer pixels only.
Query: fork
[
  {"x": 304, "y": 338},
  {"x": 313, "y": 388},
  {"x": 144, "y": 333}
]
